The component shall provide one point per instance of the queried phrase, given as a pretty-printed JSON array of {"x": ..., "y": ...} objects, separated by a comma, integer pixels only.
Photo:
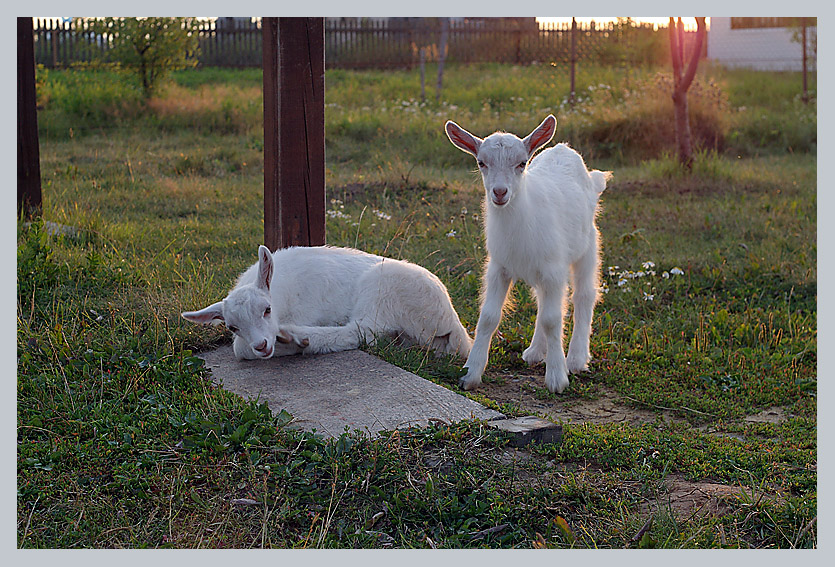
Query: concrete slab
[
  {"x": 524, "y": 430},
  {"x": 353, "y": 389}
]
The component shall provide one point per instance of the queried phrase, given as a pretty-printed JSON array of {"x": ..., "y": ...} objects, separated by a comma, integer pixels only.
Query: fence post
[
  {"x": 573, "y": 56},
  {"x": 805, "y": 96},
  {"x": 28, "y": 154},
  {"x": 442, "y": 53},
  {"x": 294, "y": 132}
]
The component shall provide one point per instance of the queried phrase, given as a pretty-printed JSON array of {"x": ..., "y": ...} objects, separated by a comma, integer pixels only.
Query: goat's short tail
[{"x": 599, "y": 179}]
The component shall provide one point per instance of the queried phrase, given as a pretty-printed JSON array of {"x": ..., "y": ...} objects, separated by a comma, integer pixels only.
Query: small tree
[
  {"x": 682, "y": 80},
  {"x": 152, "y": 47}
]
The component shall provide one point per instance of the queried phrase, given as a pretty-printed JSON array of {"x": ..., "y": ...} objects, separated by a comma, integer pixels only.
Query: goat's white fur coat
[
  {"x": 540, "y": 228},
  {"x": 328, "y": 299}
]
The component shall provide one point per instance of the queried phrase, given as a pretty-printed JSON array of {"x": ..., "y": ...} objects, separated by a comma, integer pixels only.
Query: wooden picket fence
[{"x": 392, "y": 43}]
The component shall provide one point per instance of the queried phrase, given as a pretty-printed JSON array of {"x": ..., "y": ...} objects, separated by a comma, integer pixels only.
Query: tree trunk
[
  {"x": 682, "y": 81},
  {"x": 684, "y": 145}
]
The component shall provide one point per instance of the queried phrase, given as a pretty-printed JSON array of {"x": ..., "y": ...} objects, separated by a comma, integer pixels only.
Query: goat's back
[{"x": 561, "y": 166}]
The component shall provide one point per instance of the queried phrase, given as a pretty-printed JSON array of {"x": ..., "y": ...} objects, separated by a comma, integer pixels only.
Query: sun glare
[{"x": 689, "y": 23}]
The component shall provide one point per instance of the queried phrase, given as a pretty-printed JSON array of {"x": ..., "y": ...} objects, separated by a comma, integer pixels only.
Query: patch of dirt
[
  {"x": 773, "y": 414},
  {"x": 686, "y": 498},
  {"x": 528, "y": 391}
]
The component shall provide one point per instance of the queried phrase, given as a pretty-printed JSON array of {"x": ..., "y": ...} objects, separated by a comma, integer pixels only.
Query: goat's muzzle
[{"x": 499, "y": 196}]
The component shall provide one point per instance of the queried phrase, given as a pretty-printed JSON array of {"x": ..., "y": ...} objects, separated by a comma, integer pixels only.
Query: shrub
[
  {"x": 150, "y": 47},
  {"x": 637, "y": 123}
]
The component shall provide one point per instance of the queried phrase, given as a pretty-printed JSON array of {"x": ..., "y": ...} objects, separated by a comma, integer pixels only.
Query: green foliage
[{"x": 150, "y": 47}]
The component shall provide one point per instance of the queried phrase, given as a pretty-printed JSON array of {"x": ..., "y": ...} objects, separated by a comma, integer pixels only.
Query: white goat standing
[
  {"x": 540, "y": 226},
  {"x": 327, "y": 299}
]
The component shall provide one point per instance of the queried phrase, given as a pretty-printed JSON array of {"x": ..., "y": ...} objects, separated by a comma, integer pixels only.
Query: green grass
[{"x": 123, "y": 442}]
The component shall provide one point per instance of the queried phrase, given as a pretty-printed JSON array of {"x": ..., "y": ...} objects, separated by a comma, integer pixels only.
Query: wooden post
[
  {"x": 805, "y": 96},
  {"x": 573, "y": 57},
  {"x": 294, "y": 132},
  {"x": 28, "y": 153},
  {"x": 442, "y": 52}
]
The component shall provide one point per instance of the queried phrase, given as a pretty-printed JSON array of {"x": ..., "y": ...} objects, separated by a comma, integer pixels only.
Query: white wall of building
[{"x": 769, "y": 49}]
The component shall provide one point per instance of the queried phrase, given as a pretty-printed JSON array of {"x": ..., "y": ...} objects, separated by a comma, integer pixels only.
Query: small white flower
[
  {"x": 335, "y": 214},
  {"x": 451, "y": 233},
  {"x": 381, "y": 215},
  {"x": 677, "y": 271},
  {"x": 613, "y": 270},
  {"x": 648, "y": 296},
  {"x": 665, "y": 274},
  {"x": 640, "y": 274},
  {"x": 648, "y": 265},
  {"x": 622, "y": 282}
]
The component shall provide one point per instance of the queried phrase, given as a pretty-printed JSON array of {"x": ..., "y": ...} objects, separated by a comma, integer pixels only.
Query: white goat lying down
[
  {"x": 540, "y": 227},
  {"x": 327, "y": 299}
]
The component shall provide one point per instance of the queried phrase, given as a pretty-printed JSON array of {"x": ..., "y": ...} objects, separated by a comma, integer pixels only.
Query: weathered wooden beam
[
  {"x": 294, "y": 132},
  {"x": 29, "y": 198}
]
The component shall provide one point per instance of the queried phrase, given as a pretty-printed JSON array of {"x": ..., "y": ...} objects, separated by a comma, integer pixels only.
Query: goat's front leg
[
  {"x": 550, "y": 320},
  {"x": 321, "y": 340},
  {"x": 497, "y": 282}
]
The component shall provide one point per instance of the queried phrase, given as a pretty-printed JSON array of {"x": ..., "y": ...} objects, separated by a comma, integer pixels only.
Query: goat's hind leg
[
  {"x": 584, "y": 297},
  {"x": 538, "y": 349}
]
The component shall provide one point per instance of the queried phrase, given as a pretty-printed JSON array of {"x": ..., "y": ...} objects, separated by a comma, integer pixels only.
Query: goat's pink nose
[
  {"x": 500, "y": 192},
  {"x": 262, "y": 346}
]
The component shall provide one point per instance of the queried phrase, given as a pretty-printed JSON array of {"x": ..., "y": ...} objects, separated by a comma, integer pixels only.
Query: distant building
[{"x": 763, "y": 44}]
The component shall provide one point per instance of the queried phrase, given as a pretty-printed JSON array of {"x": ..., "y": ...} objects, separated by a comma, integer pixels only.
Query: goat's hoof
[
  {"x": 577, "y": 364},
  {"x": 469, "y": 382},
  {"x": 556, "y": 382},
  {"x": 533, "y": 355},
  {"x": 285, "y": 337}
]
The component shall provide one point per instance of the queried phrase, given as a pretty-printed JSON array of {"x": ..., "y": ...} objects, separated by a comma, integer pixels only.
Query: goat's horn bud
[{"x": 284, "y": 338}]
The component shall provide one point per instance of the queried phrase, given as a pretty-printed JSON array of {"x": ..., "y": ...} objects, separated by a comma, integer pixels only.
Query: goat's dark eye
[
  {"x": 482, "y": 165},
  {"x": 267, "y": 312},
  {"x": 522, "y": 165},
  {"x": 233, "y": 329}
]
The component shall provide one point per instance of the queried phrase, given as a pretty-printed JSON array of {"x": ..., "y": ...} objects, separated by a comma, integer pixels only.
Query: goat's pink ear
[
  {"x": 265, "y": 267},
  {"x": 541, "y": 135},
  {"x": 210, "y": 314},
  {"x": 462, "y": 139}
]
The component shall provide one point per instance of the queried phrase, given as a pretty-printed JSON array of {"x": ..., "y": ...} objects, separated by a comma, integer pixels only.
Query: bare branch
[
  {"x": 674, "y": 50},
  {"x": 694, "y": 57}
]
